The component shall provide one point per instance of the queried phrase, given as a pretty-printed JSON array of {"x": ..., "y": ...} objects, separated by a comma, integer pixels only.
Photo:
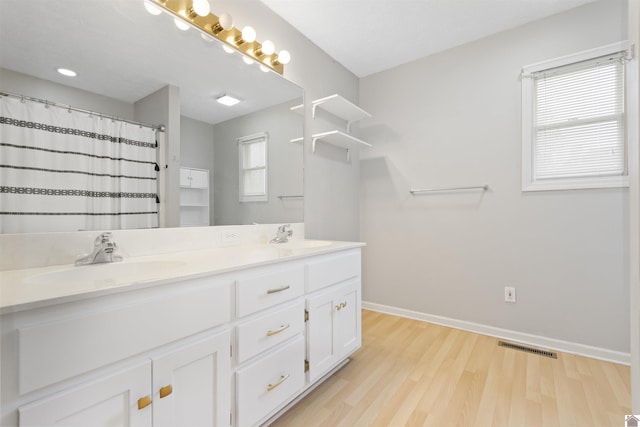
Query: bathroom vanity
[{"x": 223, "y": 336}]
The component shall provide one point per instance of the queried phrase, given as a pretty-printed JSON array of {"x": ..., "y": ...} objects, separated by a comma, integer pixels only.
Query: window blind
[
  {"x": 579, "y": 120},
  {"x": 253, "y": 167}
]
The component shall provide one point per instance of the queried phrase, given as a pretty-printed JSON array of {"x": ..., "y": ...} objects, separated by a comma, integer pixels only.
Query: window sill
[{"x": 576, "y": 184}]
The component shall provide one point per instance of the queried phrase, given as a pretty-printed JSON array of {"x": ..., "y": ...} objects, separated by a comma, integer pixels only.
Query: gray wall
[
  {"x": 23, "y": 84},
  {"x": 453, "y": 119},
  {"x": 331, "y": 205},
  {"x": 285, "y": 168},
  {"x": 163, "y": 107}
]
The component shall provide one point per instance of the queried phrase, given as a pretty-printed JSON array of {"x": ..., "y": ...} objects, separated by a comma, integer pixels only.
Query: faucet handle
[
  {"x": 103, "y": 238},
  {"x": 283, "y": 228}
]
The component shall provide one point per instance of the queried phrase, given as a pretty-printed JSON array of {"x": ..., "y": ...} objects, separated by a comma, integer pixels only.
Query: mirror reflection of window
[{"x": 252, "y": 151}]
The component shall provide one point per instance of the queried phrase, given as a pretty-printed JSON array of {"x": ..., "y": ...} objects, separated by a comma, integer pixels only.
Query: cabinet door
[
  {"x": 347, "y": 319},
  {"x": 199, "y": 178},
  {"x": 334, "y": 327},
  {"x": 191, "y": 384},
  {"x": 106, "y": 402},
  {"x": 185, "y": 177}
]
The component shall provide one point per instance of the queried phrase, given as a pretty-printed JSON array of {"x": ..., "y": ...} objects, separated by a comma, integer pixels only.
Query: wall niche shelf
[
  {"x": 339, "y": 139},
  {"x": 340, "y": 107}
]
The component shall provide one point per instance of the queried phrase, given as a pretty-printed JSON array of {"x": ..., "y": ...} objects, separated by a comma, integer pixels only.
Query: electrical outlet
[
  {"x": 509, "y": 294},
  {"x": 230, "y": 236}
]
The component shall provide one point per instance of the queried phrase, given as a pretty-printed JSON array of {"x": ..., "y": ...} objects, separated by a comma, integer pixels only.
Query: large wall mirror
[{"x": 122, "y": 54}]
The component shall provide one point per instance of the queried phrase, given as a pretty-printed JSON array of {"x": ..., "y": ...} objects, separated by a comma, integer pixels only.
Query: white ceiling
[{"x": 368, "y": 36}]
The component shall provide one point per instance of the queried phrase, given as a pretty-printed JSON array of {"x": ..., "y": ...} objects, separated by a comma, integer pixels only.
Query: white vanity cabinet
[
  {"x": 228, "y": 348},
  {"x": 185, "y": 386},
  {"x": 333, "y": 307},
  {"x": 109, "y": 359},
  {"x": 270, "y": 345},
  {"x": 108, "y": 401}
]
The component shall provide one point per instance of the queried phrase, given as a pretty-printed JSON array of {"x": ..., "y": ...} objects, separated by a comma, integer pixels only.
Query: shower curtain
[{"x": 68, "y": 170}]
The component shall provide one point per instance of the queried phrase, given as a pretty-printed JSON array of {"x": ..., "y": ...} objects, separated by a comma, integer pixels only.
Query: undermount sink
[
  {"x": 302, "y": 244},
  {"x": 105, "y": 273}
]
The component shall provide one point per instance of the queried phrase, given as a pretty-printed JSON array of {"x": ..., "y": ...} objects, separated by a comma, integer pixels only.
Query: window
[
  {"x": 573, "y": 122},
  {"x": 252, "y": 153}
]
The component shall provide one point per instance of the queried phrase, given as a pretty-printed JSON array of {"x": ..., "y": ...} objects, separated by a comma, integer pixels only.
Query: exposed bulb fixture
[
  {"x": 152, "y": 8},
  {"x": 268, "y": 47},
  {"x": 201, "y": 7},
  {"x": 247, "y": 60},
  {"x": 227, "y": 100},
  {"x": 225, "y": 22},
  {"x": 264, "y": 68},
  {"x": 284, "y": 57},
  {"x": 67, "y": 72},
  {"x": 197, "y": 14},
  {"x": 248, "y": 34}
]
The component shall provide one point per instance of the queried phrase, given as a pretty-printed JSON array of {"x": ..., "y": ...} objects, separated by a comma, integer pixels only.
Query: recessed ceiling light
[
  {"x": 67, "y": 72},
  {"x": 227, "y": 100}
]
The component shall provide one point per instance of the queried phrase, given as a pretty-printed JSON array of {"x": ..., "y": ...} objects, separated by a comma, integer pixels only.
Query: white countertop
[{"x": 37, "y": 287}]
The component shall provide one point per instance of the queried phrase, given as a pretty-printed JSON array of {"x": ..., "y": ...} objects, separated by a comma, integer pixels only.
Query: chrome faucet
[
  {"x": 103, "y": 251},
  {"x": 282, "y": 235}
]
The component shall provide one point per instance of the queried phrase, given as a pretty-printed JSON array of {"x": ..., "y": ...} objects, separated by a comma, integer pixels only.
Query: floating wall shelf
[
  {"x": 298, "y": 109},
  {"x": 339, "y": 139},
  {"x": 340, "y": 107},
  {"x": 299, "y": 139}
]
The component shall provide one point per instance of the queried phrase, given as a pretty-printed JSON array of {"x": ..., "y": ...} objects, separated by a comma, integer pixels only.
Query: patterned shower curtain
[{"x": 66, "y": 170}]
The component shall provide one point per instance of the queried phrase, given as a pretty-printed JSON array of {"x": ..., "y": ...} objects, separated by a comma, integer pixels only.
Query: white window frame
[
  {"x": 243, "y": 142},
  {"x": 529, "y": 183}
]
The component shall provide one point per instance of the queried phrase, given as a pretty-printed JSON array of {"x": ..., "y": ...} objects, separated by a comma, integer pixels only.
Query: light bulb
[
  {"x": 201, "y": 7},
  {"x": 247, "y": 60},
  {"x": 264, "y": 68},
  {"x": 284, "y": 57},
  {"x": 268, "y": 47},
  {"x": 152, "y": 8},
  {"x": 227, "y": 48},
  {"x": 181, "y": 24},
  {"x": 248, "y": 34},
  {"x": 226, "y": 21}
]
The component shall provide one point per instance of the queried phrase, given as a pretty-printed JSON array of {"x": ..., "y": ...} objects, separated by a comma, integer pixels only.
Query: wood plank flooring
[{"x": 411, "y": 373}]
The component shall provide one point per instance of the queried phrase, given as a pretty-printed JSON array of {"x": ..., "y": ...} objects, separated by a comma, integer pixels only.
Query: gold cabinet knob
[
  {"x": 166, "y": 391},
  {"x": 143, "y": 402}
]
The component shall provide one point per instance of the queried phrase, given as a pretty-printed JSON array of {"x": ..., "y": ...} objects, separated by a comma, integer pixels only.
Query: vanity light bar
[{"x": 210, "y": 25}]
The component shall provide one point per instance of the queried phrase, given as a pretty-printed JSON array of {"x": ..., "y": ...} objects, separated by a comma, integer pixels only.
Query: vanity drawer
[
  {"x": 95, "y": 336},
  {"x": 270, "y": 382},
  {"x": 331, "y": 269},
  {"x": 269, "y": 287},
  {"x": 264, "y": 332}
]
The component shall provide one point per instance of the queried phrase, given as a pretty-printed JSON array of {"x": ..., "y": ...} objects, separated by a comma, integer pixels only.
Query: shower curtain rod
[{"x": 80, "y": 110}]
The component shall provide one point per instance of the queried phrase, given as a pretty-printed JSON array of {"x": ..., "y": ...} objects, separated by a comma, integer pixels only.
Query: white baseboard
[{"x": 520, "y": 337}]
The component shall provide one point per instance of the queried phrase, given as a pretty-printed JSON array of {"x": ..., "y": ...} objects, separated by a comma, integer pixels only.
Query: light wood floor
[{"x": 411, "y": 373}]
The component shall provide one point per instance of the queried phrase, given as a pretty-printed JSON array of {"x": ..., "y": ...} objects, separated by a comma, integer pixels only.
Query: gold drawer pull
[
  {"x": 280, "y": 381},
  {"x": 277, "y": 331},
  {"x": 166, "y": 391},
  {"x": 341, "y": 306},
  {"x": 275, "y": 291},
  {"x": 143, "y": 402}
]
